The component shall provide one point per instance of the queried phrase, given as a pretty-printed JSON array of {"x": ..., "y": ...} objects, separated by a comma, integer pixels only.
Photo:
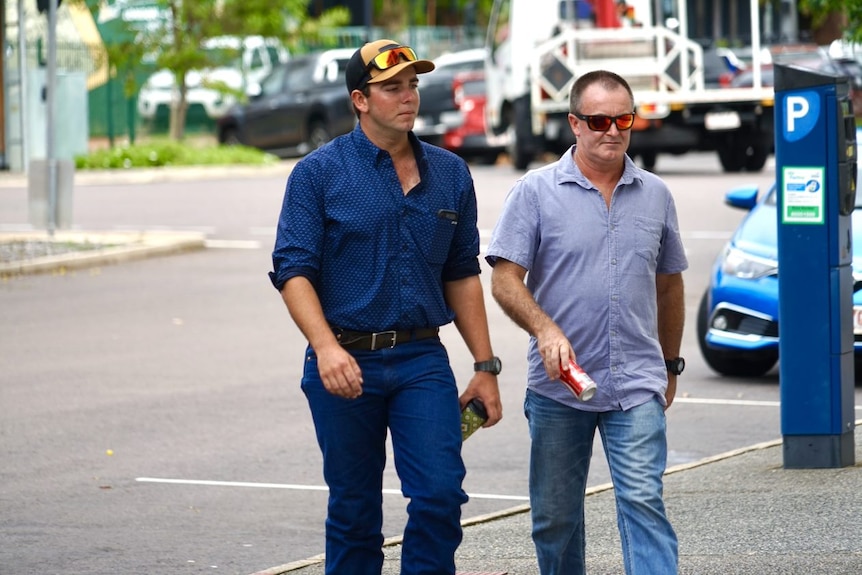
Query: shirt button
[{"x": 614, "y": 262}]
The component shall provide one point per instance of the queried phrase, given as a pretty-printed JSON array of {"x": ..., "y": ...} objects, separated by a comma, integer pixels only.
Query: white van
[{"x": 214, "y": 88}]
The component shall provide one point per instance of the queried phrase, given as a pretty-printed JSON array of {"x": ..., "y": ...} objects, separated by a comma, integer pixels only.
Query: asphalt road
[{"x": 150, "y": 413}]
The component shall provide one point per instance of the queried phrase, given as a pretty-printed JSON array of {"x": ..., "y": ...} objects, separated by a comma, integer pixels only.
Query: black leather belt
[{"x": 368, "y": 341}]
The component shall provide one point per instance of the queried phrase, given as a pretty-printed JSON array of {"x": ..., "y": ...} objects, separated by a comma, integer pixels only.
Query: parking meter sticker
[
  {"x": 801, "y": 112},
  {"x": 802, "y": 198}
]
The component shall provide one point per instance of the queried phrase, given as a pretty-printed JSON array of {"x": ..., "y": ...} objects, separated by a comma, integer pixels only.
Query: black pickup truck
[{"x": 300, "y": 106}]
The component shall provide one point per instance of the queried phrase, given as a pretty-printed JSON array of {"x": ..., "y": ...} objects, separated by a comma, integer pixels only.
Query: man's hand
[
  {"x": 554, "y": 348},
  {"x": 671, "y": 390},
  {"x": 339, "y": 372},
  {"x": 484, "y": 386}
]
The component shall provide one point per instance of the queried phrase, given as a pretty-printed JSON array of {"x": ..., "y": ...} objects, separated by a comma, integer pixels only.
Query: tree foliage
[
  {"x": 852, "y": 10},
  {"x": 173, "y": 40}
]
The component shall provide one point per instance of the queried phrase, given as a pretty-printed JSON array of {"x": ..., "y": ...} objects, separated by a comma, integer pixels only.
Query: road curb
[
  {"x": 119, "y": 247},
  {"x": 162, "y": 174}
]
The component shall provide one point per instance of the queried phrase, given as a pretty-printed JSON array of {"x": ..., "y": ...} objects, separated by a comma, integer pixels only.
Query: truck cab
[{"x": 536, "y": 49}]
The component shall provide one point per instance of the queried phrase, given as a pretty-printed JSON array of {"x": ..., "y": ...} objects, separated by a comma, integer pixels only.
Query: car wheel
[
  {"x": 489, "y": 158},
  {"x": 648, "y": 160},
  {"x": 230, "y": 137},
  {"x": 731, "y": 363},
  {"x": 318, "y": 134}
]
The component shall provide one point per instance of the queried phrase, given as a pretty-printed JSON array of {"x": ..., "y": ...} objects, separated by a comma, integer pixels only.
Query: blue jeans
[
  {"x": 409, "y": 389},
  {"x": 635, "y": 445}
]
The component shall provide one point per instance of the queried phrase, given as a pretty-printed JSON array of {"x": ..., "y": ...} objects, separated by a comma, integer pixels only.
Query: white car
[{"x": 257, "y": 58}]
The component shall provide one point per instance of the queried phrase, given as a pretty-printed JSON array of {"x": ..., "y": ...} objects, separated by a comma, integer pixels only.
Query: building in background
[{"x": 22, "y": 78}]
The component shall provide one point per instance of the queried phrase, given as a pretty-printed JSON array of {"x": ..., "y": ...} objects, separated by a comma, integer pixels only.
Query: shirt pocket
[
  {"x": 438, "y": 241},
  {"x": 648, "y": 234}
]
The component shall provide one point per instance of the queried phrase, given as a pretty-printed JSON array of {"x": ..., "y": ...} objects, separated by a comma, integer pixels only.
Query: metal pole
[
  {"x": 51, "y": 83},
  {"x": 22, "y": 87},
  {"x": 369, "y": 25},
  {"x": 757, "y": 80},
  {"x": 685, "y": 68}
]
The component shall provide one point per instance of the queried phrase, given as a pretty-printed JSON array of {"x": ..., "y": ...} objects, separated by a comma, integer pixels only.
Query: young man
[
  {"x": 377, "y": 247},
  {"x": 600, "y": 241}
]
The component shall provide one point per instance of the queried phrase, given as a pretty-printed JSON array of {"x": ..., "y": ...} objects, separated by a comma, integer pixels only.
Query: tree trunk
[{"x": 179, "y": 107}]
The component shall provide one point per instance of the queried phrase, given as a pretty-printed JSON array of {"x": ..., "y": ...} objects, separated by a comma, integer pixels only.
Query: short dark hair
[{"x": 608, "y": 80}]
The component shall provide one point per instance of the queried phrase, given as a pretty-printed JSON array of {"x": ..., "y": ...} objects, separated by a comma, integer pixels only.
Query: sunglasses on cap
[
  {"x": 392, "y": 57},
  {"x": 602, "y": 123}
]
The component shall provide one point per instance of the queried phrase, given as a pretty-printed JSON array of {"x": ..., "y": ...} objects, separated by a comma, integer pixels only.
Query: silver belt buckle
[{"x": 392, "y": 339}]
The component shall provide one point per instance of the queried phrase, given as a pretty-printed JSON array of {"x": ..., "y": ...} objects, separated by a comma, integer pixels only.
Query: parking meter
[{"x": 815, "y": 151}]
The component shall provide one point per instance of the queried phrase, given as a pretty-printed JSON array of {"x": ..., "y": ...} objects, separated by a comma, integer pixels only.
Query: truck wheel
[
  {"x": 519, "y": 156},
  {"x": 648, "y": 160},
  {"x": 521, "y": 141},
  {"x": 732, "y": 159},
  {"x": 318, "y": 134},
  {"x": 756, "y": 158}
]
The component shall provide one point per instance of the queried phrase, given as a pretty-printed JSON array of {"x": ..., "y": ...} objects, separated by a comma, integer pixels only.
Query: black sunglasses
[{"x": 602, "y": 123}]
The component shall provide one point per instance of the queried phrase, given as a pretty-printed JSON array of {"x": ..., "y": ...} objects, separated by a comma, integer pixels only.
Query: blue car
[{"x": 737, "y": 321}]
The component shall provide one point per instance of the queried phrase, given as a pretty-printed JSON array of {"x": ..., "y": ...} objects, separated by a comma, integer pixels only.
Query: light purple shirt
[{"x": 592, "y": 269}]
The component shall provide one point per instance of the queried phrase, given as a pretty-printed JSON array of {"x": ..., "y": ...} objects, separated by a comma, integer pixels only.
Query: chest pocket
[
  {"x": 437, "y": 240},
  {"x": 648, "y": 239}
]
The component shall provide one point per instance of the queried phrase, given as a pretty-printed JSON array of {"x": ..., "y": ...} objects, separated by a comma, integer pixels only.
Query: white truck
[{"x": 537, "y": 48}]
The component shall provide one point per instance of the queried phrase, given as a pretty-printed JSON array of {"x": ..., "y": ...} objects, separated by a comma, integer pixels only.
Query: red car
[
  {"x": 452, "y": 112},
  {"x": 469, "y": 138}
]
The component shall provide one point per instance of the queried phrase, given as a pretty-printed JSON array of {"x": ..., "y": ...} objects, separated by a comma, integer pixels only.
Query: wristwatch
[
  {"x": 675, "y": 365},
  {"x": 493, "y": 365}
]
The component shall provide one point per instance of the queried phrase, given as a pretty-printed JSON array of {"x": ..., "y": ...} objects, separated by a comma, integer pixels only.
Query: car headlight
[{"x": 737, "y": 263}]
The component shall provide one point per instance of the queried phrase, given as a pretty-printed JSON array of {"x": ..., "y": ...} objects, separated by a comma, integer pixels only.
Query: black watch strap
[{"x": 493, "y": 365}]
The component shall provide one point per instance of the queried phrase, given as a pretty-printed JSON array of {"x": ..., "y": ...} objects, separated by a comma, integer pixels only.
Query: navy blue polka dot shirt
[{"x": 377, "y": 257}]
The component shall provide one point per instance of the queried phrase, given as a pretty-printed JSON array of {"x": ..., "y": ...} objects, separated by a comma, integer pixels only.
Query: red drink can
[{"x": 578, "y": 382}]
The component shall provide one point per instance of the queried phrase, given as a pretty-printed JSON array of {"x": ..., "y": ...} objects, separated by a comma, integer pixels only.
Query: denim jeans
[
  {"x": 409, "y": 389},
  {"x": 636, "y": 449}
]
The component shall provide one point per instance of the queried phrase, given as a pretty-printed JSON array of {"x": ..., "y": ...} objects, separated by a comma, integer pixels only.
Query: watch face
[{"x": 676, "y": 366}]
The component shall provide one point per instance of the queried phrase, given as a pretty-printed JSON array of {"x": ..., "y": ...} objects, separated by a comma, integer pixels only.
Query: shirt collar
[
  {"x": 569, "y": 172},
  {"x": 375, "y": 155}
]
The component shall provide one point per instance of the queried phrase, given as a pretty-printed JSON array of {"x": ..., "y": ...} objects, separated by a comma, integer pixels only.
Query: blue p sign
[{"x": 801, "y": 111}]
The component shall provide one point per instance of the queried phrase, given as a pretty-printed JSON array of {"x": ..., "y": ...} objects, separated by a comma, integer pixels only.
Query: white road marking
[
  {"x": 300, "y": 487},
  {"x": 706, "y": 235},
  {"x": 233, "y": 244},
  {"x": 707, "y": 401},
  {"x": 747, "y": 402},
  {"x": 492, "y": 496}
]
